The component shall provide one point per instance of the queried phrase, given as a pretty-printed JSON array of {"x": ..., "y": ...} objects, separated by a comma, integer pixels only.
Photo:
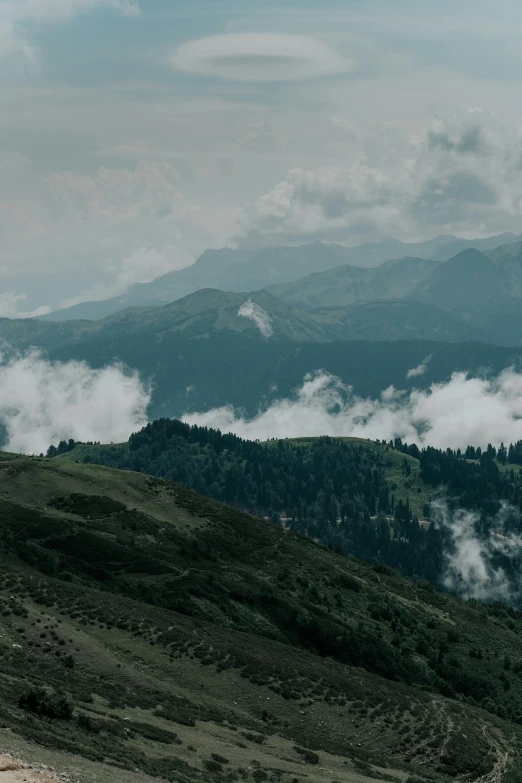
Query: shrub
[
  {"x": 219, "y": 759},
  {"x": 49, "y": 705},
  {"x": 308, "y": 756}
]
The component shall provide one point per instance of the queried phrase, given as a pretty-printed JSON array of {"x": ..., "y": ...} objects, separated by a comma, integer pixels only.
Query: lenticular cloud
[
  {"x": 454, "y": 414},
  {"x": 43, "y": 402}
]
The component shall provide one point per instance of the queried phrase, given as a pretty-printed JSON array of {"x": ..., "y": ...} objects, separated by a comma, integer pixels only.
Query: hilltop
[{"x": 193, "y": 642}]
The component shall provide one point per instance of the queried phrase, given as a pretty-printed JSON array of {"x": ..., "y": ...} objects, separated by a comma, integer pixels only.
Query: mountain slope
[
  {"x": 481, "y": 290},
  {"x": 406, "y": 320},
  {"x": 258, "y": 315},
  {"x": 195, "y": 643},
  {"x": 197, "y": 315},
  {"x": 468, "y": 281},
  {"x": 209, "y": 310},
  {"x": 485, "y": 245},
  {"x": 508, "y": 259},
  {"x": 346, "y": 285}
]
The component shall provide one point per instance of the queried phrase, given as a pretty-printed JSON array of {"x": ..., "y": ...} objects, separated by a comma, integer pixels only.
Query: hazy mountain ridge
[
  {"x": 346, "y": 285},
  {"x": 208, "y": 311},
  {"x": 244, "y": 270},
  {"x": 481, "y": 289}
]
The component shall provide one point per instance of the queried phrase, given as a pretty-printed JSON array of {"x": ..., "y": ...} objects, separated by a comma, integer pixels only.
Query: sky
[{"x": 136, "y": 133}]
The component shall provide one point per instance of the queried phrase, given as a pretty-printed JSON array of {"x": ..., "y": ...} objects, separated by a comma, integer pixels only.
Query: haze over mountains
[{"x": 248, "y": 270}]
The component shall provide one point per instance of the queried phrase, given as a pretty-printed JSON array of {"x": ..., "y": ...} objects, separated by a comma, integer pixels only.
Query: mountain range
[
  {"x": 258, "y": 315},
  {"x": 213, "y": 348},
  {"x": 248, "y": 270},
  {"x": 483, "y": 290}
]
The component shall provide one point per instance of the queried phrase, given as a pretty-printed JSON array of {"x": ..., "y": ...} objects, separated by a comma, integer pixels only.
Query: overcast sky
[{"x": 136, "y": 133}]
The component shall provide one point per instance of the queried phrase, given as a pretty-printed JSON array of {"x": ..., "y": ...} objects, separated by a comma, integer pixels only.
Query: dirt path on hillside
[
  {"x": 14, "y": 771},
  {"x": 502, "y": 756}
]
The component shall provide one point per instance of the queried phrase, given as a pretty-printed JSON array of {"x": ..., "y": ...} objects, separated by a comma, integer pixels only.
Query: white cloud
[
  {"x": 420, "y": 369},
  {"x": 259, "y": 57},
  {"x": 454, "y": 414},
  {"x": 460, "y": 175},
  {"x": 43, "y": 402},
  {"x": 260, "y": 317},
  {"x": 10, "y": 306},
  {"x": 471, "y": 566}
]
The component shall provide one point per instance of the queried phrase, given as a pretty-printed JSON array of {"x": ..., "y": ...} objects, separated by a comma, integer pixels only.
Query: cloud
[
  {"x": 141, "y": 266},
  {"x": 259, "y": 57},
  {"x": 463, "y": 411},
  {"x": 458, "y": 176},
  {"x": 260, "y": 317},
  {"x": 415, "y": 372},
  {"x": 17, "y": 15},
  {"x": 484, "y": 566},
  {"x": 467, "y": 140},
  {"x": 43, "y": 402},
  {"x": 116, "y": 227},
  {"x": 9, "y": 306}
]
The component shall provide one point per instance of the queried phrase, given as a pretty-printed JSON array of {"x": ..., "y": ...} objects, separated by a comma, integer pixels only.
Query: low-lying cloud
[
  {"x": 420, "y": 369},
  {"x": 12, "y": 306},
  {"x": 454, "y": 414},
  {"x": 43, "y": 402},
  {"x": 479, "y": 565},
  {"x": 260, "y": 317}
]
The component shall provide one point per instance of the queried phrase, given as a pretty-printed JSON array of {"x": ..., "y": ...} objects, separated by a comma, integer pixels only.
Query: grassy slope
[{"x": 228, "y": 681}]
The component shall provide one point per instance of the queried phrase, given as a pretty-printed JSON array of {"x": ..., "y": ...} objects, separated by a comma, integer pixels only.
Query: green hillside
[
  {"x": 407, "y": 320},
  {"x": 182, "y": 639}
]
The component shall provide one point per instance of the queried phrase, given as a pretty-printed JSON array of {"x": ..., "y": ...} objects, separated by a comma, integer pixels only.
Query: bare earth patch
[{"x": 14, "y": 771}]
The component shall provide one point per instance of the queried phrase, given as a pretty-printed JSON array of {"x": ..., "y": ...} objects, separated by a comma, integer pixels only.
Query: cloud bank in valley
[
  {"x": 484, "y": 567},
  {"x": 260, "y": 317},
  {"x": 454, "y": 414},
  {"x": 43, "y": 402}
]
